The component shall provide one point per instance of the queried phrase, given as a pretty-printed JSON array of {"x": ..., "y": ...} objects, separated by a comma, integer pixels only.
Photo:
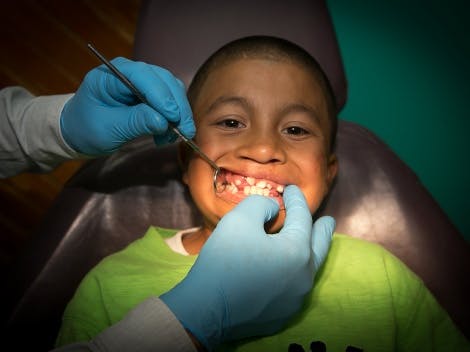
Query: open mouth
[{"x": 236, "y": 187}]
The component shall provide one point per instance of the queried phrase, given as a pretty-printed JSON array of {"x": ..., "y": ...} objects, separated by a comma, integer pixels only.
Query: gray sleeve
[
  {"x": 151, "y": 326},
  {"x": 30, "y": 137}
]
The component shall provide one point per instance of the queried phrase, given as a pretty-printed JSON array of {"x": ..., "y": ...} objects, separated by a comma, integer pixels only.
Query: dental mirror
[{"x": 220, "y": 182}]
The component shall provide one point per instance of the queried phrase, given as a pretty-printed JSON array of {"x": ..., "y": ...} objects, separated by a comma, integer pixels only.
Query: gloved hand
[
  {"x": 248, "y": 283},
  {"x": 104, "y": 114}
]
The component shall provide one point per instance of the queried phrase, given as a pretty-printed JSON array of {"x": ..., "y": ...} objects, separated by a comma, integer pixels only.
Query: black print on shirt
[{"x": 319, "y": 346}]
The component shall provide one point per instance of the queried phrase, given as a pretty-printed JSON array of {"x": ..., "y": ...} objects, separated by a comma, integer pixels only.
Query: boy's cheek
[{"x": 214, "y": 146}]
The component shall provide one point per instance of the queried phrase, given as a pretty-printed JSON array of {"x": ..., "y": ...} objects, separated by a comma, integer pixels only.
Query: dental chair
[{"x": 112, "y": 200}]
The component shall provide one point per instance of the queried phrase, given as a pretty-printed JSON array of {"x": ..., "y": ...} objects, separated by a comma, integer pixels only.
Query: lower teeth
[{"x": 255, "y": 190}]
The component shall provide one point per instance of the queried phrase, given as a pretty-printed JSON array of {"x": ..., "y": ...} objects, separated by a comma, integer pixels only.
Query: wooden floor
[{"x": 44, "y": 50}]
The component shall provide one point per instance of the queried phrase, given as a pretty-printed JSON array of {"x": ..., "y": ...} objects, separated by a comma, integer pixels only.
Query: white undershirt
[{"x": 175, "y": 242}]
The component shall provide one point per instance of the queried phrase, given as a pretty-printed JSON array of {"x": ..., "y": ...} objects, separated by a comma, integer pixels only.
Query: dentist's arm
[
  {"x": 38, "y": 133},
  {"x": 30, "y": 138}
]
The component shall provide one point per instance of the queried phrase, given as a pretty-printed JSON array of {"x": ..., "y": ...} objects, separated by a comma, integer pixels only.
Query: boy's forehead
[{"x": 248, "y": 82}]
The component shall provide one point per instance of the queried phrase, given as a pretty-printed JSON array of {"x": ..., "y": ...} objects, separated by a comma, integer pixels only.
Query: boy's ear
[
  {"x": 332, "y": 169},
  {"x": 184, "y": 154}
]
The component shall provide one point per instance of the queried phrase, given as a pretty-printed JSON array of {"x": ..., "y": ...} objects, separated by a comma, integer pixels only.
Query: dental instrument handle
[{"x": 141, "y": 97}]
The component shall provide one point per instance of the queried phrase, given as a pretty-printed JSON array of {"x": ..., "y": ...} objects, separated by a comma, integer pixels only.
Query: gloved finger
[
  {"x": 298, "y": 222},
  {"x": 186, "y": 125},
  {"x": 254, "y": 210},
  {"x": 166, "y": 138},
  {"x": 177, "y": 88},
  {"x": 143, "y": 120},
  {"x": 150, "y": 83},
  {"x": 180, "y": 82},
  {"x": 108, "y": 88},
  {"x": 322, "y": 234}
]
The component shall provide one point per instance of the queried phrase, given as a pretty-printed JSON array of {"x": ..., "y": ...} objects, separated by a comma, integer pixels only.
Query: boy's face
[{"x": 266, "y": 123}]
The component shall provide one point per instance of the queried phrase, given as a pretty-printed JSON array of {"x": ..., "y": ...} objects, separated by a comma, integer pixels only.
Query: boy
[{"x": 265, "y": 113}]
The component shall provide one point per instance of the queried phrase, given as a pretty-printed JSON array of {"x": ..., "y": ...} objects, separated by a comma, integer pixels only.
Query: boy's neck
[{"x": 194, "y": 241}]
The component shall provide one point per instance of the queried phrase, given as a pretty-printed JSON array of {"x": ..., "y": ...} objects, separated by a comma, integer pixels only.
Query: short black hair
[{"x": 270, "y": 48}]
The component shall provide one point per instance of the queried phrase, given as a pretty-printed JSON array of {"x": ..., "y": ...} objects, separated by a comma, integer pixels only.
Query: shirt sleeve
[
  {"x": 151, "y": 326},
  {"x": 30, "y": 136}
]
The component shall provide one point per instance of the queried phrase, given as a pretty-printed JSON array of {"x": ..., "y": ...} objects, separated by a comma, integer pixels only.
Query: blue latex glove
[
  {"x": 247, "y": 283},
  {"x": 104, "y": 114}
]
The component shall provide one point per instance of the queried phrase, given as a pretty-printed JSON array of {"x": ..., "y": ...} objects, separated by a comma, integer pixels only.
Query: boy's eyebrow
[
  {"x": 302, "y": 108},
  {"x": 243, "y": 102}
]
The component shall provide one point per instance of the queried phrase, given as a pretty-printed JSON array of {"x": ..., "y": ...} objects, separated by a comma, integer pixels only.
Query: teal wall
[{"x": 408, "y": 70}]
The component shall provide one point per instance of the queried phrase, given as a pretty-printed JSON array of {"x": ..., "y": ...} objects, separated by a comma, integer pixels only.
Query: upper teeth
[
  {"x": 250, "y": 180},
  {"x": 261, "y": 187},
  {"x": 261, "y": 184}
]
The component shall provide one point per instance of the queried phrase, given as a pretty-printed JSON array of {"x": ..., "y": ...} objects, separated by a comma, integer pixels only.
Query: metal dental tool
[{"x": 218, "y": 181}]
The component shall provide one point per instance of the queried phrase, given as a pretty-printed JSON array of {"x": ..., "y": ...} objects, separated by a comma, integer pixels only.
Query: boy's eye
[
  {"x": 231, "y": 123},
  {"x": 296, "y": 131}
]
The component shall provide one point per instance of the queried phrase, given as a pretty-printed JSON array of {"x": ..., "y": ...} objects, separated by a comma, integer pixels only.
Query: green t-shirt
[{"x": 363, "y": 297}]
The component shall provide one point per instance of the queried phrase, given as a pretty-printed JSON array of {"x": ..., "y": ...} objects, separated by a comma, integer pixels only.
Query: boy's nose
[{"x": 262, "y": 148}]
